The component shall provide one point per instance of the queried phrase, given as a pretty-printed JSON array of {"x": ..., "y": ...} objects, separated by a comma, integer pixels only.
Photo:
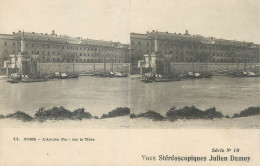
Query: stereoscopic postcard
[{"x": 130, "y": 82}]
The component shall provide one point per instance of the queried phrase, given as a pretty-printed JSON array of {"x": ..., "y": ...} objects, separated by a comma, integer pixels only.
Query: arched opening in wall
[
  {"x": 91, "y": 60},
  {"x": 88, "y": 60}
]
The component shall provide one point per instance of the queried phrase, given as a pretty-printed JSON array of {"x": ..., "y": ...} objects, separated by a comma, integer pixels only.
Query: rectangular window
[{"x": 13, "y": 44}]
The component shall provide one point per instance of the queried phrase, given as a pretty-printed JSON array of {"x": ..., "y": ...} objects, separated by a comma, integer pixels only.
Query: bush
[
  {"x": 60, "y": 113},
  {"x": 192, "y": 113},
  {"x": 104, "y": 116},
  {"x": 20, "y": 116},
  {"x": 250, "y": 111},
  {"x": 212, "y": 113},
  {"x": 2, "y": 116},
  {"x": 120, "y": 111},
  {"x": 151, "y": 115},
  {"x": 81, "y": 114},
  {"x": 132, "y": 116}
]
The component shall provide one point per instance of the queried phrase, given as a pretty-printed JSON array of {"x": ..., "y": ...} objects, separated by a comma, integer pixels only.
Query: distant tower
[
  {"x": 186, "y": 32},
  {"x": 156, "y": 42},
  {"x": 53, "y": 32},
  {"x": 22, "y": 43}
]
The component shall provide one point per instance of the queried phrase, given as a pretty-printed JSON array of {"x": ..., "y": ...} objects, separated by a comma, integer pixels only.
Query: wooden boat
[
  {"x": 117, "y": 74},
  {"x": 30, "y": 80},
  {"x": 193, "y": 75},
  {"x": 167, "y": 79},
  {"x": 13, "y": 80},
  {"x": 72, "y": 76},
  {"x": 236, "y": 74},
  {"x": 86, "y": 74},
  {"x": 206, "y": 75},
  {"x": 249, "y": 74},
  {"x": 146, "y": 81}
]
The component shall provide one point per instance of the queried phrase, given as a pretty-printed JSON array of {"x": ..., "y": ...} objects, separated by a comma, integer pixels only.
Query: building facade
[
  {"x": 192, "y": 48},
  {"x": 53, "y": 48}
]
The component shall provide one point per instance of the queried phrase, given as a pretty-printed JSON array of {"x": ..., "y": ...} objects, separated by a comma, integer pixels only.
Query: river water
[
  {"x": 228, "y": 95},
  {"x": 101, "y": 95},
  {"x": 96, "y": 95}
]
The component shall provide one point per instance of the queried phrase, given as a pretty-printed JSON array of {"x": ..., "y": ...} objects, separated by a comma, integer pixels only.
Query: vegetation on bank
[
  {"x": 120, "y": 111},
  {"x": 150, "y": 115},
  {"x": 250, "y": 111},
  {"x": 20, "y": 115},
  {"x": 60, "y": 113},
  {"x": 193, "y": 113}
]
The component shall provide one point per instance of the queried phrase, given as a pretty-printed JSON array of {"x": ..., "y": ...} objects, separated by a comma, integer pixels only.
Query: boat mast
[
  {"x": 112, "y": 64},
  {"x": 237, "y": 64},
  {"x": 104, "y": 64},
  {"x": 117, "y": 64}
]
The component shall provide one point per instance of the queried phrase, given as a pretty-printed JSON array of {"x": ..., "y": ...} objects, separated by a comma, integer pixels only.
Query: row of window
[
  {"x": 53, "y": 60},
  {"x": 187, "y": 46},
  {"x": 68, "y": 47},
  {"x": 212, "y": 60}
]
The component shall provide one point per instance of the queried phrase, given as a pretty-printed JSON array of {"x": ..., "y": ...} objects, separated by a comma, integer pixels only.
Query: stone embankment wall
[
  {"x": 212, "y": 67},
  {"x": 81, "y": 67}
]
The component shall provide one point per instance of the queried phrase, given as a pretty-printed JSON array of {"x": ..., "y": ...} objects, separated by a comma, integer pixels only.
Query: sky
[
  {"x": 226, "y": 19},
  {"x": 115, "y": 19},
  {"x": 94, "y": 19}
]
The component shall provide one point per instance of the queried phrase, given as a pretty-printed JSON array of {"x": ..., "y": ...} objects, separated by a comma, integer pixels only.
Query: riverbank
[
  {"x": 108, "y": 123},
  {"x": 251, "y": 122},
  {"x": 192, "y": 117},
  {"x": 62, "y": 117}
]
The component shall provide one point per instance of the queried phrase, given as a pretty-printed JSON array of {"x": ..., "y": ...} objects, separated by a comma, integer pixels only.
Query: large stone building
[
  {"x": 188, "y": 48},
  {"x": 53, "y": 48}
]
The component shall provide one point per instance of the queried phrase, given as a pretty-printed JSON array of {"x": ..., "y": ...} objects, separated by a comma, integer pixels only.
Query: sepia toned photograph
[
  {"x": 129, "y": 82},
  {"x": 195, "y": 64},
  {"x": 64, "y": 64}
]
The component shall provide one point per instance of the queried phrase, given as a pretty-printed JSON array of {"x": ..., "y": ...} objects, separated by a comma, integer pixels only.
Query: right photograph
[{"x": 195, "y": 64}]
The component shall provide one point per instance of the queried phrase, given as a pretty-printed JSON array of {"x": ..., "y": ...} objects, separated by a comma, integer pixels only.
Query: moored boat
[
  {"x": 146, "y": 81},
  {"x": 30, "y": 80},
  {"x": 13, "y": 80},
  {"x": 167, "y": 79}
]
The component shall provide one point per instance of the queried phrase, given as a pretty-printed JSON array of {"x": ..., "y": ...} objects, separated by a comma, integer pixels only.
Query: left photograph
[{"x": 64, "y": 64}]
